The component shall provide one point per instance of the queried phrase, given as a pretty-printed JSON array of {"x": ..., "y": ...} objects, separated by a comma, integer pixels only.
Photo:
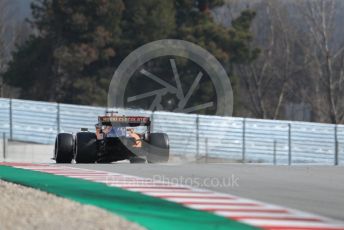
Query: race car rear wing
[{"x": 124, "y": 120}]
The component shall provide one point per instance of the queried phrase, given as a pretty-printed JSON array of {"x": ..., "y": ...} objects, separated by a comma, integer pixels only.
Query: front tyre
[
  {"x": 64, "y": 148},
  {"x": 159, "y": 148},
  {"x": 85, "y": 147}
]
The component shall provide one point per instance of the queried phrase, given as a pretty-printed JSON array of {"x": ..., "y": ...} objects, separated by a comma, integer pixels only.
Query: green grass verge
[{"x": 147, "y": 211}]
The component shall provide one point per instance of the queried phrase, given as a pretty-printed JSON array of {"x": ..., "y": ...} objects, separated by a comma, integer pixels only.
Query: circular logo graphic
[
  {"x": 173, "y": 48},
  {"x": 172, "y": 75}
]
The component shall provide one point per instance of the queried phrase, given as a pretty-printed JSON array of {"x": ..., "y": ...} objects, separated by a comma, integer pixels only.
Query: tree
[
  {"x": 226, "y": 44},
  {"x": 146, "y": 21},
  {"x": 191, "y": 21},
  {"x": 266, "y": 81},
  {"x": 229, "y": 45},
  {"x": 3, "y": 42},
  {"x": 301, "y": 60},
  {"x": 64, "y": 62},
  {"x": 13, "y": 32},
  {"x": 78, "y": 45},
  {"x": 325, "y": 54}
]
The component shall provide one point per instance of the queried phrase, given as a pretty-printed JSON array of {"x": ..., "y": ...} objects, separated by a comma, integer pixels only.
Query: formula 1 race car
[{"x": 114, "y": 139}]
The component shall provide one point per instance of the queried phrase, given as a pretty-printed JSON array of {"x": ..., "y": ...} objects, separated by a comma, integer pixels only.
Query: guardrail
[{"x": 239, "y": 139}]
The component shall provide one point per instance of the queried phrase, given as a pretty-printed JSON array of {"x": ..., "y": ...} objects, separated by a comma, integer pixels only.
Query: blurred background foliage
[
  {"x": 285, "y": 59},
  {"x": 77, "y": 45}
]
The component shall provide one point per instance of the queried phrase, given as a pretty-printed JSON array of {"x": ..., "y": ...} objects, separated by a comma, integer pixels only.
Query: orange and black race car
[{"x": 114, "y": 139}]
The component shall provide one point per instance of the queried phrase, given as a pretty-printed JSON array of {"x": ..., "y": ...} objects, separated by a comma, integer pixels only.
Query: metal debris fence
[{"x": 234, "y": 138}]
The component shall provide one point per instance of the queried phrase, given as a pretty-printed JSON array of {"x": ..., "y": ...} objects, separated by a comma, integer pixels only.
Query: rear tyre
[
  {"x": 64, "y": 148},
  {"x": 85, "y": 147},
  {"x": 159, "y": 148}
]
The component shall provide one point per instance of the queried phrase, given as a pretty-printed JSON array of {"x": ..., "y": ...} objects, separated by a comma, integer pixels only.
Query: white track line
[
  {"x": 184, "y": 194},
  {"x": 167, "y": 190},
  {"x": 291, "y": 224},
  {"x": 247, "y": 215}
]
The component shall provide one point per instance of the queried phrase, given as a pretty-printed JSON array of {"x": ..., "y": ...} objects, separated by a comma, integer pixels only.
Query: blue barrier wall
[{"x": 251, "y": 140}]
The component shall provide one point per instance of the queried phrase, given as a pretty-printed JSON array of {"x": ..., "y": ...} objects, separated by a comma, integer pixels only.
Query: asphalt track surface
[{"x": 315, "y": 189}]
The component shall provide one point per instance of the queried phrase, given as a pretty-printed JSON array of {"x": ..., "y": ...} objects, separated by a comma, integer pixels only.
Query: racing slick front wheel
[
  {"x": 64, "y": 148},
  {"x": 85, "y": 147},
  {"x": 159, "y": 148}
]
